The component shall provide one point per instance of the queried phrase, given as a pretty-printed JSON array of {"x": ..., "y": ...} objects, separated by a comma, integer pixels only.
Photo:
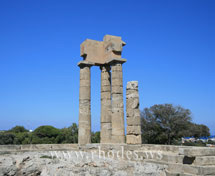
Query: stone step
[
  {"x": 204, "y": 160},
  {"x": 197, "y": 151},
  {"x": 191, "y": 169},
  {"x": 168, "y": 173},
  {"x": 181, "y": 159}
]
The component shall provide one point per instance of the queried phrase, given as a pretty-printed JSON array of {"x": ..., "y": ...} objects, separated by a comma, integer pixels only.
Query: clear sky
[{"x": 170, "y": 50}]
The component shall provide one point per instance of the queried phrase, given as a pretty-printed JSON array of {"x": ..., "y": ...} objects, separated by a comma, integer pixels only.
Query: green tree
[
  {"x": 164, "y": 123},
  {"x": 95, "y": 137},
  {"x": 6, "y": 138},
  {"x": 18, "y": 129},
  {"x": 45, "y": 135},
  {"x": 68, "y": 135}
]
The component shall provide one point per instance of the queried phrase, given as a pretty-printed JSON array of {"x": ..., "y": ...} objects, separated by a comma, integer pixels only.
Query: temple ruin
[{"x": 107, "y": 55}]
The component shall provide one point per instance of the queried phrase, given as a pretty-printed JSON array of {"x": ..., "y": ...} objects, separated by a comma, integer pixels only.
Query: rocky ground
[{"x": 64, "y": 164}]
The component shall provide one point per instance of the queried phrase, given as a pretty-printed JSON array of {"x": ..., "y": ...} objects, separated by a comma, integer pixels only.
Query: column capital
[
  {"x": 85, "y": 63},
  {"x": 116, "y": 60},
  {"x": 106, "y": 66}
]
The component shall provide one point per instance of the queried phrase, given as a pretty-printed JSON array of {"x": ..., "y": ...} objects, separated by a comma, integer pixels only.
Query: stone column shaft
[
  {"x": 133, "y": 114},
  {"x": 118, "y": 130},
  {"x": 84, "y": 132},
  {"x": 105, "y": 104}
]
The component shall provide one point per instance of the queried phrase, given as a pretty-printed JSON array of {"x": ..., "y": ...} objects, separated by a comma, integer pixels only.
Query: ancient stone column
[
  {"x": 133, "y": 114},
  {"x": 105, "y": 104},
  {"x": 84, "y": 132},
  {"x": 118, "y": 130}
]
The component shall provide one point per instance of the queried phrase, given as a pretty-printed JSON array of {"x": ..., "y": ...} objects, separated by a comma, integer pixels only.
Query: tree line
[
  {"x": 43, "y": 135},
  {"x": 160, "y": 124}
]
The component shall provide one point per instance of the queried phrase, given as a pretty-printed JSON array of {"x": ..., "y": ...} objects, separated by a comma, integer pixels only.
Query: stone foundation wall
[{"x": 171, "y": 160}]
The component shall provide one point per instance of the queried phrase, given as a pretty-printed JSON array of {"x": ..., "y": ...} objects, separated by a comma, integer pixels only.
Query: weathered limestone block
[
  {"x": 105, "y": 104},
  {"x": 84, "y": 133},
  {"x": 133, "y": 114},
  {"x": 100, "y": 52}
]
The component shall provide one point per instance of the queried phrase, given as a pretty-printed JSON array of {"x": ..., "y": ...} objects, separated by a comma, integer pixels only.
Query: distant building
[
  {"x": 212, "y": 138},
  {"x": 188, "y": 139},
  {"x": 203, "y": 139}
]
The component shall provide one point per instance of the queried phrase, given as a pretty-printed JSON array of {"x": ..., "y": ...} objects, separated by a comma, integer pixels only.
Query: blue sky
[{"x": 170, "y": 50}]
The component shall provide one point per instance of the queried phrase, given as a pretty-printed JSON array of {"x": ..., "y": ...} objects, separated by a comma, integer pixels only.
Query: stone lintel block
[
  {"x": 134, "y": 130},
  {"x": 133, "y": 139},
  {"x": 132, "y": 85},
  {"x": 132, "y": 121},
  {"x": 100, "y": 52},
  {"x": 85, "y": 63}
]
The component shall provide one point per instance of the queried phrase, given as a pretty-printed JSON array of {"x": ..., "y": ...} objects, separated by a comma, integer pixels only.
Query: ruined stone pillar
[
  {"x": 84, "y": 131},
  {"x": 105, "y": 104},
  {"x": 118, "y": 130},
  {"x": 133, "y": 114}
]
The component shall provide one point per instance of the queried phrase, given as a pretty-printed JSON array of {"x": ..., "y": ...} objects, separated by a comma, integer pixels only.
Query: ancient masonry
[
  {"x": 107, "y": 55},
  {"x": 133, "y": 114}
]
